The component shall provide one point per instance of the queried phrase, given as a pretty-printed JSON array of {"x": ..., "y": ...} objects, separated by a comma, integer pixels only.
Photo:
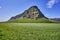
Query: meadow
[{"x": 29, "y": 31}]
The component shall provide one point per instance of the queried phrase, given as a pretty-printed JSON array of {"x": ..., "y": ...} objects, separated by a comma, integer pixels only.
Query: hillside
[
  {"x": 56, "y": 19},
  {"x": 31, "y": 15}
]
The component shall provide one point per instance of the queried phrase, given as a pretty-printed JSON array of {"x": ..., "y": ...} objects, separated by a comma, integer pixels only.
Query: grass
[
  {"x": 27, "y": 20},
  {"x": 29, "y": 31}
]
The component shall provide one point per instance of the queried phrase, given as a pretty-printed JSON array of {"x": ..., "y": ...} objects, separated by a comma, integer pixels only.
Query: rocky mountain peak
[
  {"x": 33, "y": 13},
  {"x": 34, "y": 7}
]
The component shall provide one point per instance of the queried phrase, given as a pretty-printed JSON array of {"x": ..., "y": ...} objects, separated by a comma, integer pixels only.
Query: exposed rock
[{"x": 33, "y": 13}]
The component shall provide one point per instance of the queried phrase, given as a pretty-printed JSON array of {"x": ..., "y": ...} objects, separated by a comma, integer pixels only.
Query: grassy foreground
[{"x": 29, "y": 31}]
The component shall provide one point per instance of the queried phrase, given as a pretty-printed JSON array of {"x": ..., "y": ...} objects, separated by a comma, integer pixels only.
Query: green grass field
[{"x": 29, "y": 31}]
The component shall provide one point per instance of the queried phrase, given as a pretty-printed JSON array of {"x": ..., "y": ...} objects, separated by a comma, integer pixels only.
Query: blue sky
[{"x": 9, "y": 8}]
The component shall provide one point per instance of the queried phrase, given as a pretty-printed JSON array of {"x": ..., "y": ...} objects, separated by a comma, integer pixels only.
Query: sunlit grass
[{"x": 29, "y": 31}]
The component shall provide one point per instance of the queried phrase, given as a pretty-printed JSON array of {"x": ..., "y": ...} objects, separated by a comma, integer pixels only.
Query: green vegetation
[
  {"x": 27, "y": 20},
  {"x": 29, "y": 31}
]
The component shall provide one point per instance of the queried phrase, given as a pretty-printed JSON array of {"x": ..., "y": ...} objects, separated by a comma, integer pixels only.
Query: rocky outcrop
[{"x": 33, "y": 13}]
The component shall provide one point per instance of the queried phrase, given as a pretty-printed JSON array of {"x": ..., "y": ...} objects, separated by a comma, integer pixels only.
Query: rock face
[{"x": 33, "y": 13}]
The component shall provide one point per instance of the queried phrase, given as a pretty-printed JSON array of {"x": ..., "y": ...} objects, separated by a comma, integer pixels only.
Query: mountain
[
  {"x": 55, "y": 19},
  {"x": 31, "y": 15}
]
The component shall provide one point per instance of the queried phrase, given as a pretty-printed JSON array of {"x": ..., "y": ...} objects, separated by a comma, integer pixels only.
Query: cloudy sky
[{"x": 9, "y": 8}]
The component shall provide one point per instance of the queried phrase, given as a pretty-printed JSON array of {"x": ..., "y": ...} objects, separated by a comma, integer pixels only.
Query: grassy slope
[
  {"x": 29, "y": 31},
  {"x": 25, "y": 20}
]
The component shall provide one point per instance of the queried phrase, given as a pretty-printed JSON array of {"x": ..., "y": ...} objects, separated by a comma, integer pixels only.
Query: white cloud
[{"x": 51, "y": 3}]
